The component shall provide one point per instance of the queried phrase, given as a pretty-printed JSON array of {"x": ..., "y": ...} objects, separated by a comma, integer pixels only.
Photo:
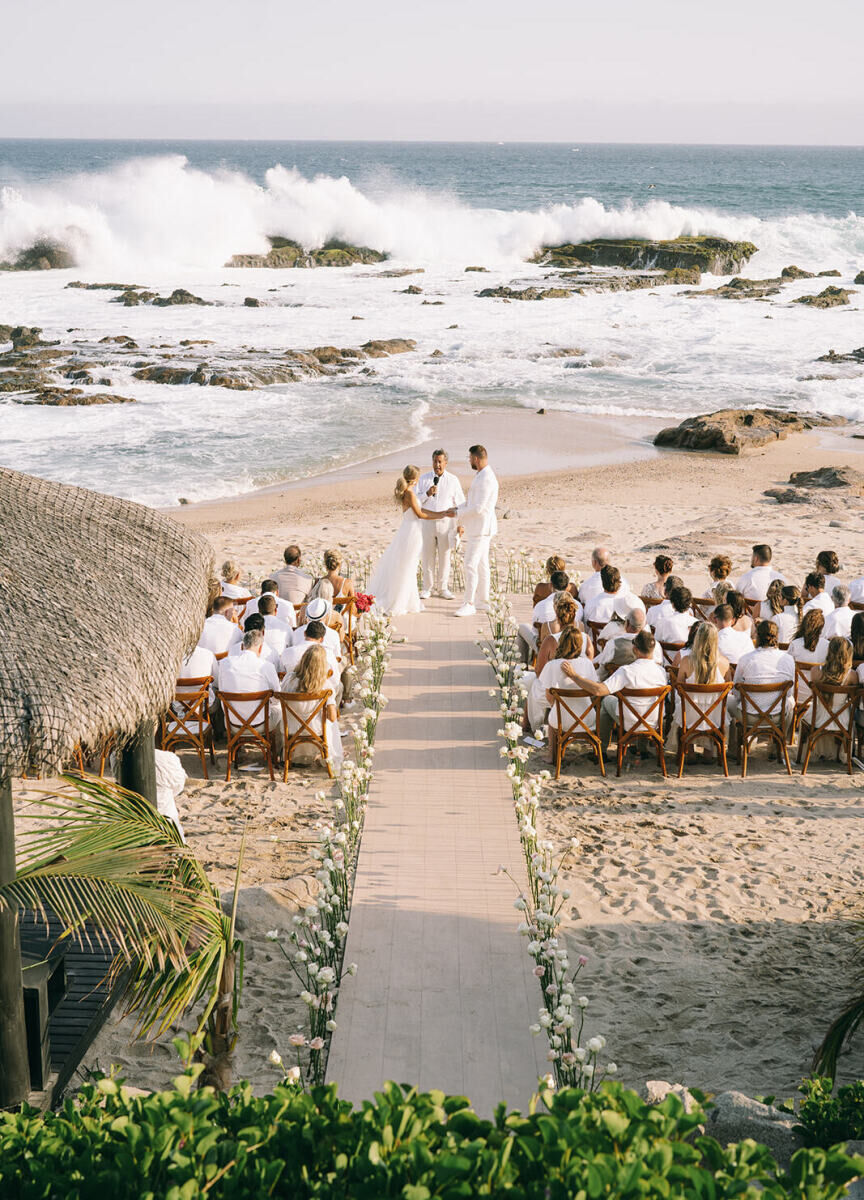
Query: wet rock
[
  {"x": 529, "y": 293},
  {"x": 715, "y": 256},
  {"x": 105, "y": 287},
  {"x": 6, "y": 332},
  {"x": 828, "y": 477},
  {"x": 180, "y": 296},
  {"x": 285, "y": 252},
  {"x": 226, "y": 380},
  {"x": 830, "y": 298},
  {"x": 73, "y": 397},
  {"x": 794, "y": 272},
  {"x": 401, "y": 272},
  {"x": 163, "y": 374},
  {"x": 437, "y": 354},
  {"x": 481, "y": 270},
  {"x": 132, "y": 298},
  {"x": 829, "y": 274},
  {"x": 381, "y": 349},
  {"x": 411, "y": 290},
  {"x": 565, "y": 352},
  {"x": 859, "y": 278},
  {"x": 433, "y": 303},
  {"x": 787, "y": 496},
  {"x": 23, "y": 337},
  {"x": 121, "y": 339},
  {"x": 23, "y": 379},
  {"x": 630, "y": 282},
  {"x": 44, "y": 255},
  {"x": 852, "y": 356},
  {"x": 739, "y": 288},
  {"x": 735, "y": 430},
  {"x": 252, "y": 302}
]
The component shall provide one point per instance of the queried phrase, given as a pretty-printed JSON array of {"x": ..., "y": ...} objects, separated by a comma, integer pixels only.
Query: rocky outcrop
[
  {"x": 859, "y": 278},
  {"x": 72, "y": 397},
  {"x": 712, "y": 255},
  {"x": 400, "y": 272},
  {"x": 853, "y": 356},
  {"x": 629, "y": 282},
  {"x": 794, "y": 272},
  {"x": 381, "y": 349},
  {"x": 44, "y": 255},
  {"x": 828, "y": 477},
  {"x": 736, "y": 430},
  {"x": 743, "y": 289},
  {"x": 830, "y": 298},
  {"x": 411, "y": 290},
  {"x": 529, "y": 293},
  {"x": 105, "y": 287},
  {"x": 132, "y": 297},
  {"x": 835, "y": 274},
  {"x": 285, "y": 252},
  {"x": 480, "y": 270}
]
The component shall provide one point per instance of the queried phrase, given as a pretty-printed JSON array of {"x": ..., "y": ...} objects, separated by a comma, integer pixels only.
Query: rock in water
[
  {"x": 380, "y": 349},
  {"x": 44, "y": 255},
  {"x": 794, "y": 272},
  {"x": 859, "y": 278},
  {"x": 285, "y": 252},
  {"x": 830, "y": 298},
  {"x": 529, "y": 293},
  {"x": 853, "y": 356},
  {"x": 736, "y": 430},
  {"x": 714, "y": 256}
]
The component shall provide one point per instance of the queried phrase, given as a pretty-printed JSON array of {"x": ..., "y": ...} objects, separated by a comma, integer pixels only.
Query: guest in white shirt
[
  {"x": 319, "y": 610},
  {"x": 753, "y": 584},
  {"x": 856, "y": 637},
  {"x": 782, "y": 605},
  {"x": 292, "y": 656},
  {"x": 815, "y": 595},
  {"x": 284, "y": 608},
  {"x": 292, "y": 581},
  {"x": 276, "y": 632},
  {"x": 311, "y": 676},
  {"x": 856, "y": 590},
  {"x": 569, "y": 648},
  {"x": 593, "y": 585},
  {"x": 643, "y": 672},
  {"x": 249, "y": 672},
  {"x": 198, "y": 664},
  {"x": 617, "y": 623},
  {"x": 809, "y": 646},
  {"x": 438, "y": 490},
  {"x": 837, "y": 671},
  {"x": 268, "y": 653},
  {"x": 838, "y": 623},
  {"x": 170, "y": 782},
  {"x": 664, "y": 609},
  {"x": 828, "y": 564},
  {"x": 732, "y": 643},
  {"x": 543, "y": 613},
  {"x": 220, "y": 633},
  {"x": 231, "y": 585},
  {"x": 676, "y": 626},
  {"x": 601, "y": 606},
  {"x": 618, "y": 651},
  {"x": 766, "y": 664}
]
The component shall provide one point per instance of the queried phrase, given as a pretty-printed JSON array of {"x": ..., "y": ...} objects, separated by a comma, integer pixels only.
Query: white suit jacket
[{"x": 477, "y": 514}]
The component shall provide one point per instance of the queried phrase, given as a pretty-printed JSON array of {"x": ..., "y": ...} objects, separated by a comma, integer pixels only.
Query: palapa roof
[{"x": 100, "y": 599}]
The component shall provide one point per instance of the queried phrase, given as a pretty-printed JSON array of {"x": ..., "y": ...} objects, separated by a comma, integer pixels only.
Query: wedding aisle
[{"x": 444, "y": 994}]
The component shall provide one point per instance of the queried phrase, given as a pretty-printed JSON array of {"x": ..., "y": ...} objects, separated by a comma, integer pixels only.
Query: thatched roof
[{"x": 100, "y": 599}]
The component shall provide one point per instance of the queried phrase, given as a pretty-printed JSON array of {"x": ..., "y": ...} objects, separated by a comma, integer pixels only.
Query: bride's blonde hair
[{"x": 409, "y": 475}]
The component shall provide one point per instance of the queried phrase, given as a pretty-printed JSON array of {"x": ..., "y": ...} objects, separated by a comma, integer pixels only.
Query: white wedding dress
[{"x": 394, "y": 580}]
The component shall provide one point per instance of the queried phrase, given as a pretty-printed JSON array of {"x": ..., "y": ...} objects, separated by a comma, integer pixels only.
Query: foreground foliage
[
  {"x": 826, "y": 1119},
  {"x": 188, "y": 1143}
]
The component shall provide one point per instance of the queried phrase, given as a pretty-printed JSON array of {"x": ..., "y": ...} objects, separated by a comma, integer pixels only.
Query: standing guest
[
  {"x": 544, "y": 588},
  {"x": 569, "y": 648},
  {"x": 292, "y": 582},
  {"x": 675, "y": 626},
  {"x": 249, "y": 672},
  {"x": 815, "y": 595},
  {"x": 664, "y": 609},
  {"x": 284, "y": 608},
  {"x": 438, "y": 491},
  {"x": 220, "y": 632},
  {"x": 593, "y": 585},
  {"x": 838, "y": 622},
  {"x": 231, "y": 585},
  {"x": 311, "y": 676},
  {"x": 732, "y": 643},
  {"x": 719, "y": 570},
  {"x": 662, "y": 570},
  {"x": 828, "y": 564},
  {"x": 643, "y": 672},
  {"x": 766, "y": 664},
  {"x": 753, "y": 584},
  {"x": 836, "y": 671},
  {"x": 743, "y": 621}
]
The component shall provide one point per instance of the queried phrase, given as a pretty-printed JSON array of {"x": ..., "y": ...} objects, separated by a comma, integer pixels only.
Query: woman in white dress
[
  {"x": 311, "y": 675},
  {"x": 394, "y": 580},
  {"x": 570, "y": 651}
]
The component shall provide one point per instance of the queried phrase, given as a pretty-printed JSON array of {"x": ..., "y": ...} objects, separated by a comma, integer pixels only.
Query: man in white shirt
[
  {"x": 249, "y": 672},
  {"x": 478, "y": 525},
  {"x": 198, "y": 664},
  {"x": 292, "y": 582},
  {"x": 642, "y": 672},
  {"x": 815, "y": 595},
  {"x": 593, "y": 585},
  {"x": 766, "y": 664},
  {"x": 732, "y": 643},
  {"x": 256, "y": 621},
  {"x": 753, "y": 584},
  {"x": 438, "y": 490},
  {"x": 664, "y": 609},
  {"x": 276, "y": 632},
  {"x": 676, "y": 625},
  {"x": 838, "y": 622},
  {"x": 219, "y": 633},
  {"x": 601, "y": 606},
  {"x": 292, "y": 655},
  {"x": 284, "y": 608},
  {"x": 856, "y": 590}
]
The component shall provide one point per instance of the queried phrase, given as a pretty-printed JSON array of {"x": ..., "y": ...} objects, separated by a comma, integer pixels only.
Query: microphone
[{"x": 436, "y": 480}]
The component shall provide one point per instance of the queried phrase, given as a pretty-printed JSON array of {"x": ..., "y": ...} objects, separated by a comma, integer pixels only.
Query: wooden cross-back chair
[
  {"x": 763, "y": 713},
  {"x": 594, "y": 628},
  {"x": 698, "y": 722},
  {"x": 753, "y": 608},
  {"x": 643, "y": 726},
  {"x": 703, "y": 608},
  {"x": 802, "y": 696},
  {"x": 240, "y": 604},
  {"x": 253, "y": 730},
  {"x": 856, "y": 605},
  {"x": 838, "y": 723},
  {"x": 187, "y": 722},
  {"x": 650, "y": 601},
  {"x": 670, "y": 649},
  {"x": 572, "y": 727},
  {"x": 305, "y": 733}
]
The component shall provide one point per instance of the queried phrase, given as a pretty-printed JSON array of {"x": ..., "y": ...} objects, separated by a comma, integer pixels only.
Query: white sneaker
[
  {"x": 425, "y": 594},
  {"x": 467, "y": 610},
  {"x": 446, "y": 595}
]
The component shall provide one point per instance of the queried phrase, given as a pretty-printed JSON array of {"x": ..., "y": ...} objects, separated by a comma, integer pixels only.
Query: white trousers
[
  {"x": 477, "y": 570},
  {"x": 436, "y": 545}
]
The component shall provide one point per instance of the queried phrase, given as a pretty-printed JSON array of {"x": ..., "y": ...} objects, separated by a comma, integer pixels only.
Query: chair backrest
[
  {"x": 655, "y": 697},
  {"x": 802, "y": 680},
  {"x": 575, "y": 722},
  {"x": 305, "y": 731},
  {"x": 594, "y": 628},
  {"x": 856, "y": 605},
  {"x": 763, "y": 704},
  {"x": 703, "y": 608},
  {"x": 670, "y": 649},
  {"x": 188, "y": 718},
  {"x": 219, "y": 657},
  {"x": 694, "y": 716},
  {"x": 236, "y": 724},
  {"x": 651, "y": 601},
  {"x": 826, "y": 717},
  {"x": 240, "y": 606},
  {"x": 185, "y": 689}
]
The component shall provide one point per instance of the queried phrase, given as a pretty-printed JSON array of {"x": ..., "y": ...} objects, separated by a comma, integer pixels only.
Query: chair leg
[
  {"x": 721, "y": 745},
  {"x": 745, "y": 745},
  {"x": 598, "y": 750},
  {"x": 682, "y": 750},
  {"x": 203, "y": 756},
  {"x": 800, "y": 742},
  {"x": 661, "y": 757},
  {"x": 781, "y": 741}
]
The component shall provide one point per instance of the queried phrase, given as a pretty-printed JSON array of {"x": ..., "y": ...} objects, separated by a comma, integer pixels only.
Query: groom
[{"x": 478, "y": 525}]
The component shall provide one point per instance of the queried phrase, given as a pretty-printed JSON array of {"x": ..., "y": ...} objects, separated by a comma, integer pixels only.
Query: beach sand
[{"x": 716, "y": 914}]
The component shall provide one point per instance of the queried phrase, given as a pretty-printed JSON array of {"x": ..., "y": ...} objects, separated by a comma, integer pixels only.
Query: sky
[{"x": 760, "y": 71}]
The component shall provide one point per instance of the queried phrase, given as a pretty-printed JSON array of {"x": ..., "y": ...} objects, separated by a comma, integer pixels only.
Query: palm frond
[{"x": 841, "y": 1028}]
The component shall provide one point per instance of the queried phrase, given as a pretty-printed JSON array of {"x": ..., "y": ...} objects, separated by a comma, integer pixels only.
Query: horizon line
[{"x": 446, "y": 142}]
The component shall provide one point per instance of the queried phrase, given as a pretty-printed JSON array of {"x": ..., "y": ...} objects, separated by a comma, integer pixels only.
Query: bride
[{"x": 394, "y": 580}]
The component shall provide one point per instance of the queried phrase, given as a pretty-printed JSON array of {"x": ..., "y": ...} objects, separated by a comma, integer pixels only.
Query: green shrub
[
  {"x": 825, "y": 1120},
  {"x": 185, "y": 1144}
]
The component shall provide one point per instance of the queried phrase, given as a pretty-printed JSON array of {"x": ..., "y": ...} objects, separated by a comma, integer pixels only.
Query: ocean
[{"x": 166, "y": 215}]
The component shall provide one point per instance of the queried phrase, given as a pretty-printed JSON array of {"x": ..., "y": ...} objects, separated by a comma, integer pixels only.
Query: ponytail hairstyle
[
  {"x": 569, "y": 643},
  {"x": 703, "y": 653},
  {"x": 858, "y": 635},
  {"x": 791, "y": 597},
  {"x": 810, "y": 628},
  {"x": 409, "y": 475},
  {"x": 775, "y": 596},
  {"x": 720, "y": 567},
  {"x": 332, "y": 560},
  {"x": 838, "y": 661},
  {"x": 739, "y": 605},
  {"x": 230, "y": 571}
]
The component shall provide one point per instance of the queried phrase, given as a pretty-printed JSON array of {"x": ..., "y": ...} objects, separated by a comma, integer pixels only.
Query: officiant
[{"x": 438, "y": 490}]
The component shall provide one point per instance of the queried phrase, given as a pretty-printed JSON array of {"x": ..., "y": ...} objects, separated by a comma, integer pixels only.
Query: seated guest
[
  {"x": 662, "y": 570},
  {"x": 276, "y": 632},
  {"x": 701, "y": 664},
  {"x": 828, "y": 564},
  {"x": 675, "y": 626},
  {"x": 788, "y": 615},
  {"x": 332, "y": 620},
  {"x": 742, "y": 619},
  {"x": 856, "y": 636},
  {"x": 753, "y": 584},
  {"x": 614, "y": 627},
  {"x": 566, "y": 615},
  {"x": 545, "y": 586},
  {"x": 808, "y": 645},
  {"x": 601, "y": 606},
  {"x": 249, "y": 672},
  {"x": 268, "y": 652},
  {"x": 721, "y": 592},
  {"x": 593, "y": 585},
  {"x": 772, "y": 605},
  {"x": 543, "y": 613},
  {"x": 319, "y": 610},
  {"x": 836, "y": 671},
  {"x": 231, "y": 585},
  {"x": 719, "y": 570},
  {"x": 856, "y": 590},
  {"x": 220, "y": 632},
  {"x": 292, "y": 581},
  {"x": 766, "y": 664},
  {"x": 815, "y": 595},
  {"x": 170, "y": 782},
  {"x": 309, "y": 676},
  {"x": 343, "y": 587},
  {"x": 838, "y": 623},
  {"x": 284, "y": 608},
  {"x": 643, "y": 672},
  {"x": 198, "y": 664},
  {"x": 731, "y": 642},
  {"x": 664, "y": 608},
  {"x": 313, "y": 636},
  {"x": 569, "y": 648},
  {"x": 618, "y": 651}
]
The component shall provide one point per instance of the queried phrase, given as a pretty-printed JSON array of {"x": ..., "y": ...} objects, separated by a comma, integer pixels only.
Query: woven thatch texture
[{"x": 100, "y": 599}]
